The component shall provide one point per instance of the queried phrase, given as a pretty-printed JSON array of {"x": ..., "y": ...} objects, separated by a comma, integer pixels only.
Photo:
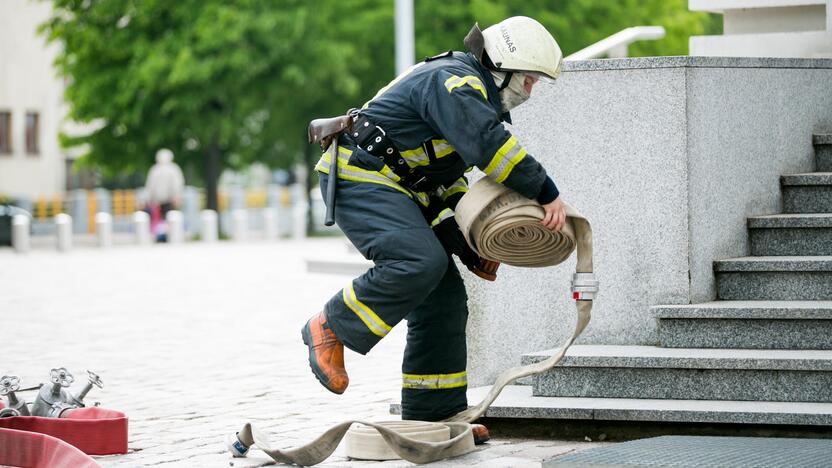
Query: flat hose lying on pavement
[{"x": 500, "y": 225}]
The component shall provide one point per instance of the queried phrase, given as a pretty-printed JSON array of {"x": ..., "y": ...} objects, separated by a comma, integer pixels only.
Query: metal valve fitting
[
  {"x": 53, "y": 400},
  {"x": 584, "y": 286},
  {"x": 93, "y": 380},
  {"x": 8, "y": 385}
]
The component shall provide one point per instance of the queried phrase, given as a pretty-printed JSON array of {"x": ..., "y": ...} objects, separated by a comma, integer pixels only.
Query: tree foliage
[{"x": 248, "y": 75}]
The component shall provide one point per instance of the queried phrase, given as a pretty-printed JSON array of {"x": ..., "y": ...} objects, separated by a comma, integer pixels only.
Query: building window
[
  {"x": 32, "y": 133},
  {"x": 5, "y": 132}
]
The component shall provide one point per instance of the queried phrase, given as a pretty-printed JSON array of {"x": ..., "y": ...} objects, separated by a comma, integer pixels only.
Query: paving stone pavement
[{"x": 192, "y": 341}]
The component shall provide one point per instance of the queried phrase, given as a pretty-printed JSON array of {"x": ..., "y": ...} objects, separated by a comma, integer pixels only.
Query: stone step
[
  {"x": 800, "y": 278},
  {"x": 791, "y": 234},
  {"x": 823, "y": 151},
  {"x": 746, "y": 324},
  {"x": 610, "y": 371},
  {"x": 807, "y": 193},
  {"x": 517, "y": 401}
]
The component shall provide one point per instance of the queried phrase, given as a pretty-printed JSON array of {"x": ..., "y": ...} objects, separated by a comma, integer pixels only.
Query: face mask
[{"x": 515, "y": 93}]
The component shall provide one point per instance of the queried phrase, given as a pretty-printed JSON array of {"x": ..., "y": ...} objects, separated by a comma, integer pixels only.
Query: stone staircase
[{"x": 761, "y": 354}]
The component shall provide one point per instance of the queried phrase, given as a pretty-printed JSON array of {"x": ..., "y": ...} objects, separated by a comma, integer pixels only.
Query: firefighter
[{"x": 401, "y": 170}]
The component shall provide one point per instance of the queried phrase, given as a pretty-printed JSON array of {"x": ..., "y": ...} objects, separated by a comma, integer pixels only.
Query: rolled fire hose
[{"x": 500, "y": 225}]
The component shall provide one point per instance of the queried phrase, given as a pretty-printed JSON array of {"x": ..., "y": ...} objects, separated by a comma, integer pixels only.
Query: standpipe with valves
[{"x": 52, "y": 400}]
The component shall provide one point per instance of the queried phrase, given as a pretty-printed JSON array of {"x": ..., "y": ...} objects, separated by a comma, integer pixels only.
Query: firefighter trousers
[{"x": 413, "y": 278}]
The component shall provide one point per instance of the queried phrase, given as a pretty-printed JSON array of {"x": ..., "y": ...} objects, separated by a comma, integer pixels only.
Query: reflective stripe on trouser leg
[
  {"x": 388, "y": 228},
  {"x": 434, "y": 380}
]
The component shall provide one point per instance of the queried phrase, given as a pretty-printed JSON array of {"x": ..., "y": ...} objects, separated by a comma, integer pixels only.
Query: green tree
[
  {"x": 224, "y": 84},
  {"x": 220, "y": 83}
]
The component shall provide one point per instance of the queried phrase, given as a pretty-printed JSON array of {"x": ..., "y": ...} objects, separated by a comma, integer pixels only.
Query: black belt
[{"x": 374, "y": 140}]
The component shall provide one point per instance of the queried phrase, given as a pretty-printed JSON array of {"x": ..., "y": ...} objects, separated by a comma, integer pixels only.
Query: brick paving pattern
[{"x": 194, "y": 340}]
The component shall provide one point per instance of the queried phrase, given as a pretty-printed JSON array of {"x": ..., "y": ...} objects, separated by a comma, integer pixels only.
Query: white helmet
[{"x": 519, "y": 44}]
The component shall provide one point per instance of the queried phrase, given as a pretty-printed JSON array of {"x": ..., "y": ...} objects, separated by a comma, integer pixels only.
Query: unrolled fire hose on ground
[{"x": 501, "y": 225}]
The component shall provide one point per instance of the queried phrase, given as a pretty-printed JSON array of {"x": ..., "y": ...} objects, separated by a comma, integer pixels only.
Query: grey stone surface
[
  {"x": 823, "y": 151},
  {"x": 695, "y": 62},
  {"x": 604, "y": 357},
  {"x": 807, "y": 193},
  {"x": 807, "y": 179},
  {"x": 746, "y": 127},
  {"x": 822, "y": 139},
  {"x": 783, "y": 221},
  {"x": 791, "y": 310},
  {"x": 781, "y": 263},
  {"x": 647, "y": 151},
  {"x": 775, "y": 285},
  {"x": 791, "y": 234},
  {"x": 746, "y": 333},
  {"x": 599, "y": 172},
  {"x": 692, "y": 384},
  {"x": 791, "y": 241},
  {"x": 518, "y": 402}
]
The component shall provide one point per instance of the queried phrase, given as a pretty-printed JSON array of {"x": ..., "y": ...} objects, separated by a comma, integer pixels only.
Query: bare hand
[{"x": 555, "y": 215}]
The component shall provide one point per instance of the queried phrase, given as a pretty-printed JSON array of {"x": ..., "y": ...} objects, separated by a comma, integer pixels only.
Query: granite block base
[
  {"x": 686, "y": 384},
  {"x": 745, "y": 333},
  {"x": 775, "y": 285}
]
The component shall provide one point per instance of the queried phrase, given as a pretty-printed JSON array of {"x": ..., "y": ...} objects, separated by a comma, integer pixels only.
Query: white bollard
[
  {"x": 270, "y": 223},
  {"x": 20, "y": 233},
  {"x": 176, "y": 227},
  {"x": 299, "y": 220},
  {"x": 210, "y": 232},
  {"x": 141, "y": 227},
  {"x": 63, "y": 227},
  {"x": 104, "y": 229},
  {"x": 239, "y": 225}
]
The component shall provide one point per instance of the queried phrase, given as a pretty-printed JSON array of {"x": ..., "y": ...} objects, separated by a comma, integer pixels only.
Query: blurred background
[{"x": 91, "y": 89}]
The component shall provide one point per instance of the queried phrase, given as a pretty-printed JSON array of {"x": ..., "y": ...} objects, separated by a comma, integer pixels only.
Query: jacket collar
[{"x": 491, "y": 87}]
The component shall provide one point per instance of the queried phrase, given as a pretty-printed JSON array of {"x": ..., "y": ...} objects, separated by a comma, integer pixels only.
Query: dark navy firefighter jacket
[{"x": 444, "y": 116}]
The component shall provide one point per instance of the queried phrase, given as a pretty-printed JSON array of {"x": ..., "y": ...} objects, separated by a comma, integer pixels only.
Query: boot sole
[{"x": 313, "y": 364}]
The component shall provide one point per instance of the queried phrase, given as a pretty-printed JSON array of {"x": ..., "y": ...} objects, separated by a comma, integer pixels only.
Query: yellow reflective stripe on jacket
[
  {"x": 434, "y": 381},
  {"x": 357, "y": 174},
  {"x": 456, "y": 81},
  {"x": 460, "y": 186},
  {"x": 441, "y": 148},
  {"x": 415, "y": 157},
  {"x": 373, "y": 321},
  {"x": 442, "y": 216},
  {"x": 387, "y": 172},
  {"x": 505, "y": 159}
]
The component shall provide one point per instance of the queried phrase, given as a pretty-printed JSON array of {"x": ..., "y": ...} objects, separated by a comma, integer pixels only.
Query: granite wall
[{"x": 666, "y": 157}]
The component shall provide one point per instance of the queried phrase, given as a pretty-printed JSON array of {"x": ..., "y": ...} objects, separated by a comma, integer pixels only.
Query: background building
[{"x": 31, "y": 107}]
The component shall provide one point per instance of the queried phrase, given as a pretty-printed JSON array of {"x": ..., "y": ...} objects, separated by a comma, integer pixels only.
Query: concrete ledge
[
  {"x": 687, "y": 358},
  {"x": 518, "y": 402},
  {"x": 822, "y": 139},
  {"x": 785, "y": 221},
  {"x": 811, "y": 178},
  {"x": 694, "y": 62},
  {"x": 754, "y": 310},
  {"x": 784, "y": 263}
]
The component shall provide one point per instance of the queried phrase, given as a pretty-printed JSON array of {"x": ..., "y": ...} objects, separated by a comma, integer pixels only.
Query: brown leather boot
[
  {"x": 326, "y": 354},
  {"x": 481, "y": 434}
]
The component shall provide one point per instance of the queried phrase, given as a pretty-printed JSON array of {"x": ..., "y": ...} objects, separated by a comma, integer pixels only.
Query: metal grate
[{"x": 690, "y": 451}]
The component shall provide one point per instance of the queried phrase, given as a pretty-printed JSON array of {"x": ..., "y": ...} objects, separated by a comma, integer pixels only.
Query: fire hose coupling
[
  {"x": 584, "y": 286},
  {"x": 236, "y": 447}
]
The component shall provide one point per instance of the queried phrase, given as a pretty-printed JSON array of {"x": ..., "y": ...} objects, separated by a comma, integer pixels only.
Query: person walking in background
[{"x": 164, "y": 187}]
